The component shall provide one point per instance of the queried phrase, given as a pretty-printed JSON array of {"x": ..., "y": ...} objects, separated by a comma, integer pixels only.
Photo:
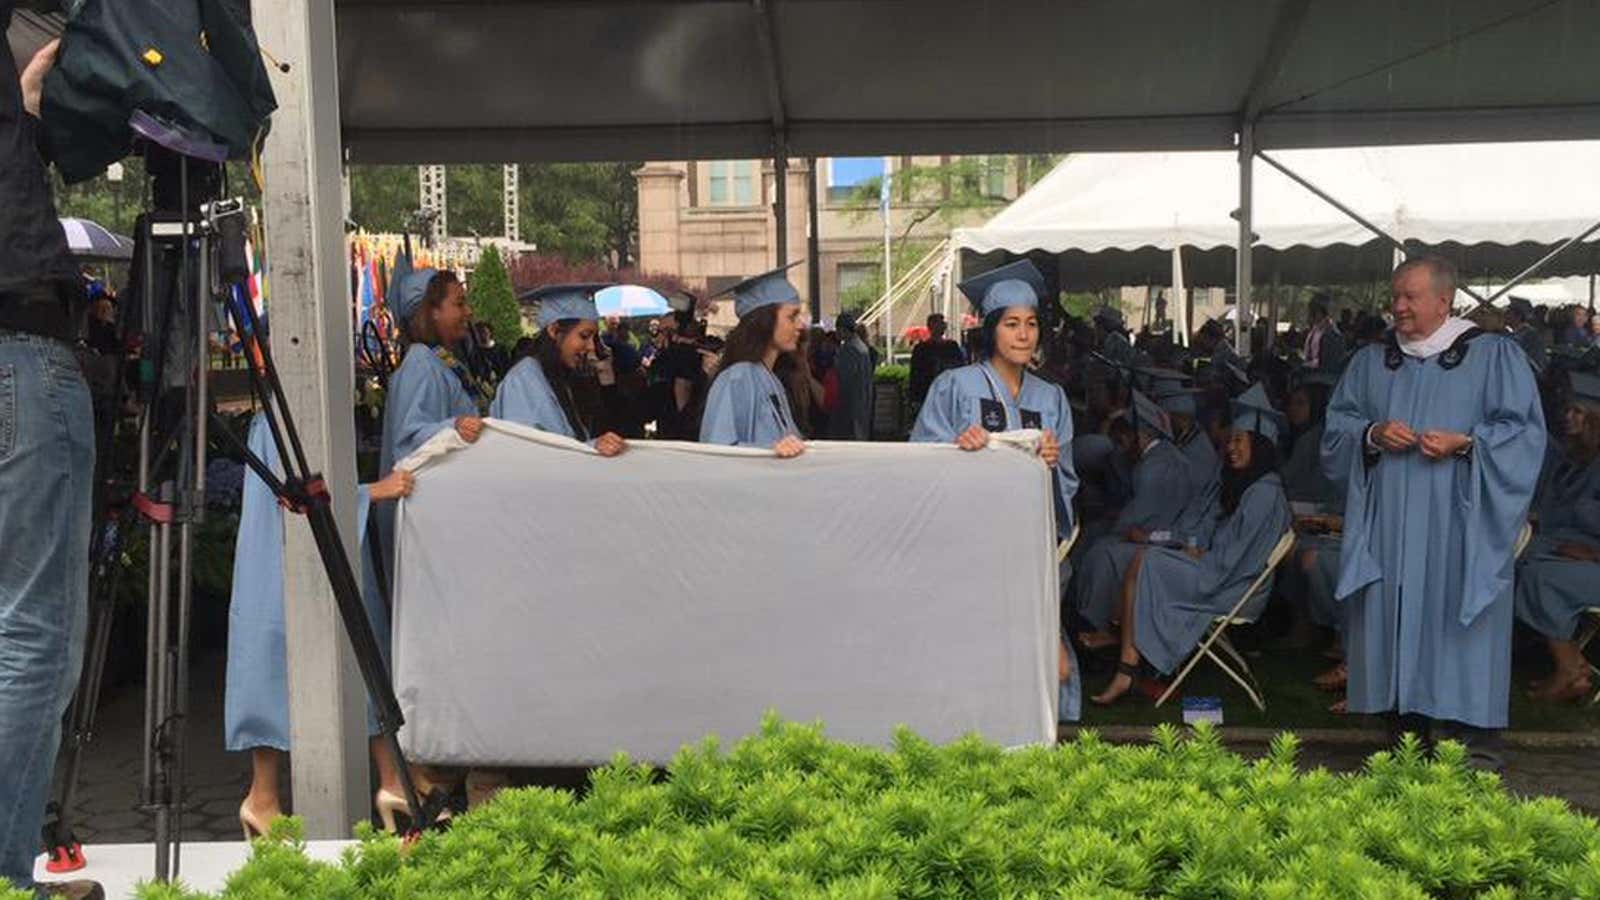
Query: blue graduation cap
[
  {"x": 406, "y": 287},
  {"x": 1252, "y": 411},
  {"x": 1149, "y": 416},
  {"x": 1109, "y": 315},
  {"x": 565, "y": 301},
  {"x": 767, "y": 289},
  {"x": 1320, "y": 377},
  {"x": 1013, "y": 284},
  {"x": 1177, "y": 400},
  {"x": 1585, "y": 388}
]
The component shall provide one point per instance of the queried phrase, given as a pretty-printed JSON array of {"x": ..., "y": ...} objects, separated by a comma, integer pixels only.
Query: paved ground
[{"x": 106, "y": 810}]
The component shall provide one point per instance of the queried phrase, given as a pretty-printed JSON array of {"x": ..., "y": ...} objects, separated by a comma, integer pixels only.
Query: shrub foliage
[{"x": 789, "y": 814}]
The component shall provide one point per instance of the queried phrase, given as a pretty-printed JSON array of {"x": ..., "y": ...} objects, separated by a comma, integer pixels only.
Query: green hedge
[
  {"x": 790, "y": 814},
  {"x": 892, "y": 374}
]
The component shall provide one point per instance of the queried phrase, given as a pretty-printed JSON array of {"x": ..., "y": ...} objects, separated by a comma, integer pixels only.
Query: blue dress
[
  {"x": 975, "y": 395},
  {"x": 1178, "y": 596},
  {"x": 1165, "y": 498},
  {"x": 526, "y": 397},
  {"x": 747, "y": 406},
  {"x": 1552, "y": 590},
  {"x": 1426, "y": 560},
  {"x": 256, "y": 690}
]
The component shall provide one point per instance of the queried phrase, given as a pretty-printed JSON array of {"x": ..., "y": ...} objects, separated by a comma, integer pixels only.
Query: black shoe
[{"x": 72, "y": 890}]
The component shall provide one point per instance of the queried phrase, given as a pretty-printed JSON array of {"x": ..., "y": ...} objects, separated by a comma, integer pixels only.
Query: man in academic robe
[
  {"x": 1436, "y": 437},
  {"x": 852, "y": 421}
]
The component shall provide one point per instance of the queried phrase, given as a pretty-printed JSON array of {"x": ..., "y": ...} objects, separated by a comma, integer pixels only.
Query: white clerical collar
[{"x": 1435, "y": 343}]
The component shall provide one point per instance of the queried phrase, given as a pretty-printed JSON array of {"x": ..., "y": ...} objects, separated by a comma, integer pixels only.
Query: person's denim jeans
[{"x": 46, "y": 484}]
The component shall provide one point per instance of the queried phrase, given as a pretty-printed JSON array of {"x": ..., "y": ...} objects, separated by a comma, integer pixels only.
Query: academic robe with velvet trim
[
  {"x": 1553, "y": 590},
  {"x": 1178, "y": 596},
  {"x": 1426, "y": 560},
  {"x": 747, "y": 406},
  {"x": 955, "y": 402},
  {"x": 255, "y": 709},
  {"x": 526, "y": 397}
]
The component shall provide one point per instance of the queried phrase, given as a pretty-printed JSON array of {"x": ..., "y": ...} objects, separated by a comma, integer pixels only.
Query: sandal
[
  {"x": 1123, "y": 668},
  {"x": 1574, "y": 688}
]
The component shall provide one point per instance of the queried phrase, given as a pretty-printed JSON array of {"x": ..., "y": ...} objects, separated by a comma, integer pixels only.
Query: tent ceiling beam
[
  {"x": 1354, "y": 216},
  {"x": 1285, "y": 28},
  {"x": 1532, "y": 270}
]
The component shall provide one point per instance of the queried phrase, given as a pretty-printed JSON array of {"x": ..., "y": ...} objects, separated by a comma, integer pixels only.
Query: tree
[
  {"x": 382, "y": 198},
  {"x": 582, "y": 211},
  {"x": 492, "y": 298}
]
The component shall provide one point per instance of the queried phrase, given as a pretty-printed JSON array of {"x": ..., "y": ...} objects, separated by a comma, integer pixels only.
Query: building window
[
  {"x": 853, "y": 276},
  {"x": 847, "y": 174},
  {"x": 731, "y": 182}
]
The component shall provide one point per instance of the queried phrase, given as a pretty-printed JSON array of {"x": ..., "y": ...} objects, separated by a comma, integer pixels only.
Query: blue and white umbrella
[
  {"x": 91, "y": 240},
  {"x": 629, "y": 301}
]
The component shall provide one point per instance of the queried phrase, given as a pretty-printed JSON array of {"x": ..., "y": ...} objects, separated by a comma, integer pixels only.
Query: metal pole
[
  {"x": 1242, "y": 268},
  {"x": 1529, "y": 271},
  {"x": 813, "y": 244},
  {"x": 780, "y": 169},
  {"x": 1401, "y": 253},
  {"x": 888, "y": 266}
]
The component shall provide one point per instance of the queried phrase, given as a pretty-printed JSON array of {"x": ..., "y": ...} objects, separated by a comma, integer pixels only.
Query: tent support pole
[
  {"x": 1530, "y": 271},
  {"x": 813, "y": 242},
  {"x": 1242, "y": 270},
  {"x": 780, "y": 176}
]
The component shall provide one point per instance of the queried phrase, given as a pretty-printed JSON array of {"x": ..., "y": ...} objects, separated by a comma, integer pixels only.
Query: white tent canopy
[{"x": 1496, "y": 207}]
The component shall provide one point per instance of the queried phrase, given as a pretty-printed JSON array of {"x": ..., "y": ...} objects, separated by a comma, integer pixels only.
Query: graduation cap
[
  {"x": 767, "y": 289},
  {"x": 1146, "y": 414},
  {"x": 1522, "y": 306},
  {"x": 1252, "y": 411},
  {"x": 1109, "y": 315},
  {"x": 565, "y": 301},
  {"x": 1156, "y": 380},
  {"x": 1178, "y": 400},
  {"x": 406, "y": 287},
  {"x": 1586, "y": 389},
  {"x": 1319, "y": 377},
  {"x": 1013, "y": 284}
]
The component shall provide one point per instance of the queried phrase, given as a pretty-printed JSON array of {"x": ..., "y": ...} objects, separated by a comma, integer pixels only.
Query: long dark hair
[
  {"x": 419, "y": 327},
  {"x": 749, "y": 340},
  {"x": 1263, "y": 461},
  {"x": 546, "y": 351},
  {"x": 986, "y": 342}
]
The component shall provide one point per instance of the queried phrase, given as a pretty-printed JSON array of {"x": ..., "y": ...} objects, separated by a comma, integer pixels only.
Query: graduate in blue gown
[
  {"x": 1561, "y": 567},
  {"x": 537, "y": 391},
  {"x": 1436, "y": 437},
  {"x": 1171, "y": 596},
  {"x": 965, "y": 405},
  {"x": 747, "y": 405},
  {"x": 256, "y": 689},
  {"x": 1172, "y": 503},
  {"x": 432, "y": 389}
]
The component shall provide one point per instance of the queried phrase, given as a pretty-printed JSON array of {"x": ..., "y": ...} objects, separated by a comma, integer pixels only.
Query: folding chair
[
  {"x": 1591, "y": 627},
  {"x": 1524, "y": 538},
  {"x": 1064, "y": 549},
  {"x": 1216, "y": 638}
]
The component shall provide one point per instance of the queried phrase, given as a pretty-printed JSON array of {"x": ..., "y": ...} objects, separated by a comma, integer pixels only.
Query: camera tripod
[{"x": 196, "y": 258}]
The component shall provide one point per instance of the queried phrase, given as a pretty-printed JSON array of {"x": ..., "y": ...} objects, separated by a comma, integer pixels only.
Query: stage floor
[{"x": 203, "y": 866}]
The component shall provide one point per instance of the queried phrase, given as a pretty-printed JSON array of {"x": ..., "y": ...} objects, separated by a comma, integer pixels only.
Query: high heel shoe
[
  {"x": 250, "y": 821},
  {"x": 389, "y": 804}
]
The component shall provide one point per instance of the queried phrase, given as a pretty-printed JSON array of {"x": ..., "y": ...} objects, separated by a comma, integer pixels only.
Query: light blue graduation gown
[
  {"x": 1426, "y": 561},
  {"x": 747, "y": 406},
  {"x": 1552, "y": 590},
  {"x": 1199, "y": 516},
  {"x": 425, "y": 397},
  {"x": 1166, "y": 497},
  {"x": 526, "y": 397},
  {"x": 955, "y": 403},
  {"x": 1178, "y": 596},
  {"x": 1303, "y": 478},
  {"x": 256, "y": 689}
]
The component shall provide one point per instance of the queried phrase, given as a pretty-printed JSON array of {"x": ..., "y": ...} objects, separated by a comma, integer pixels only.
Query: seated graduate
[
  {"x": 1557, "y": 577},
  {"x": 747, "y": 405},
  {"x": 1314, "y": 569},
  {"x": 998, "y": 393},
  {"x": 1167, "y": 506},
  {"x": 537, "y": 391},
  {"x": 1171, "y": 596}
]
